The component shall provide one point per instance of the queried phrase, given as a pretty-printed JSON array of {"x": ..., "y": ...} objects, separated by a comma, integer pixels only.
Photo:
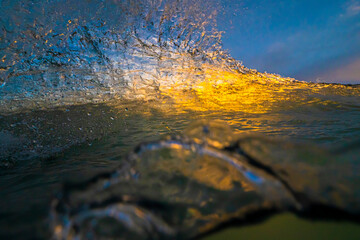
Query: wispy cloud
[
  {"x": 348, "y": 73},
  {"x": 352, "y": 8}
]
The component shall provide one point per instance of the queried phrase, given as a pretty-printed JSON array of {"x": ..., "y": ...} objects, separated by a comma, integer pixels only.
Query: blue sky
[{"x": 311, "y": 40}]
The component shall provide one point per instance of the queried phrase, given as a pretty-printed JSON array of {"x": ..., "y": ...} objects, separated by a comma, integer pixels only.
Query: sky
[{"x": 310, "y": 40}]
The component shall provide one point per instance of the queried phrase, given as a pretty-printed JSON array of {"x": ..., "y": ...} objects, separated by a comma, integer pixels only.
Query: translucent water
[{"x": 182, "y": 187}]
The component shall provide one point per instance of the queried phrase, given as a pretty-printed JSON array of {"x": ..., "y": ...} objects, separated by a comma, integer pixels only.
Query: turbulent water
[{"x": 157, "y": 131}]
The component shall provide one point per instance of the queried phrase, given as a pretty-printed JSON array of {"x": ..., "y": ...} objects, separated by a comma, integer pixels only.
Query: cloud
[
  {"x": 306, "y": 48},
  {"x": 347, "y": 73},
  {"x": 352, "y": 9}
]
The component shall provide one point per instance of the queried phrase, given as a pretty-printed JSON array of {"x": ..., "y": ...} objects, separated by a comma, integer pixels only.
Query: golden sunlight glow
[{"x": 252, "y": 92}]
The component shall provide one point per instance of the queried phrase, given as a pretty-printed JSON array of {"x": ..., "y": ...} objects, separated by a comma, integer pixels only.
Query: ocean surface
[{"x": 127, "y": 120}]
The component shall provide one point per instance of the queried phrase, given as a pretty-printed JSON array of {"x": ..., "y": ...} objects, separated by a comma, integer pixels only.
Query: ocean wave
[{"x": 186, "y": 185}]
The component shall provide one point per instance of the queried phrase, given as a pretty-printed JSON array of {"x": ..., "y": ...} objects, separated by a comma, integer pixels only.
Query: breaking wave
[{"x": 70, "y": 52}]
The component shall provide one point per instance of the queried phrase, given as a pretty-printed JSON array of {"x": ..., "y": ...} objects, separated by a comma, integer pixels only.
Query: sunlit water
[{"x": 219, "y": 143}]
